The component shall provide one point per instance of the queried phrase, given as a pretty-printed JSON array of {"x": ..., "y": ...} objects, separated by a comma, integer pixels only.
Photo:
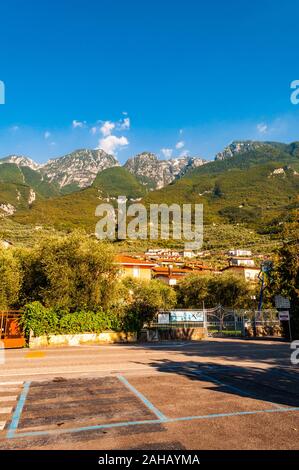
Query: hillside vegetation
[
  {"x": 253, "y": 187},
  {"x": 256, "y": 189},
  {"x": 17, "y": 184},
  {"x": 118, "y": 181}
]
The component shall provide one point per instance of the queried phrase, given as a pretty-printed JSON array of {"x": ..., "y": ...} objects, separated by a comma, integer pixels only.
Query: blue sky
[{"x": 171, "y": 76}]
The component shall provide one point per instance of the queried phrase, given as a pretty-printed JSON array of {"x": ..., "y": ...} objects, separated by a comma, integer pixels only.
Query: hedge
[{"x": 45, "y": 321}]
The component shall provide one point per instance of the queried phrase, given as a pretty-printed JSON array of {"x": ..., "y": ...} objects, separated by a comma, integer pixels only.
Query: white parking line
[
  {"x": 8, "y": 398},
  {"x": 9, "y": 389},
  {"x": 11, "y": 383},
  {"x": 58, "y": 372},
  {"x": 6, "y": 410},
  {"x": 2, "y": 425}
]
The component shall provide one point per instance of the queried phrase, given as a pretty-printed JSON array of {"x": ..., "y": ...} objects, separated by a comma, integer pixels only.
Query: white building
[
  {"x": 245, "y": 253},
  {"x": 241, "y": 262}
]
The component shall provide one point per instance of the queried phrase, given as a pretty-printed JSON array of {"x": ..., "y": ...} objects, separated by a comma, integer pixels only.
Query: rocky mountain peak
[
  {"x": 20, "y": 160},
  {"x": 156, "y": 173},
  {"x": 239, "y": 146},
  {"x": 78, "y": 168}
]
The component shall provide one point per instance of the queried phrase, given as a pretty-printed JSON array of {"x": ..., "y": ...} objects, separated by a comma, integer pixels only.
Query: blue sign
[{"x": 186, "y": 316}]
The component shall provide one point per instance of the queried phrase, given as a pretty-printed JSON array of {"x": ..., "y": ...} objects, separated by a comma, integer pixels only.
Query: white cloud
[
  {"x": 111, "y": 143},
  {"x": 79, "y": 124},
  {"x": 167, "y": 153},
  {"x": 47, "y": 134},
  {"x": 107, "y": 128},
  {"x": 185, "y": 153},
  {"x": 93, "y": 130},
  {"x": 180, "y": 145},
  {"x": 262, "y": 128}
]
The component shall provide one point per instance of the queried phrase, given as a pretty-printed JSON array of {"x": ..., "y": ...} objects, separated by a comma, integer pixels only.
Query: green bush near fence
[{"x": 45, "y": 321}]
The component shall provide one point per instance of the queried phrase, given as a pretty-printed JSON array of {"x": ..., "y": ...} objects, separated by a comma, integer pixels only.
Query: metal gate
[
  {"x": 224, "y": 322},
  {"x": 263, "y": 324},
  {"x": 11, "y": 335}
]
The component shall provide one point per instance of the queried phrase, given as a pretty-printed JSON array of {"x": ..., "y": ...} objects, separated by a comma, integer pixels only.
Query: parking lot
[{"x": 217, "y": 394}]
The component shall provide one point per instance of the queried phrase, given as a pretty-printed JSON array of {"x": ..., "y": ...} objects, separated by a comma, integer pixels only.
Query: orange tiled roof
[{"x": 130, "y": 260}]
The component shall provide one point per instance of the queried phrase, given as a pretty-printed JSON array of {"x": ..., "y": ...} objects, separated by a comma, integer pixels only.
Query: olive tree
[
  {"x": 228, "y": 290},
  {"x": 10, "y": 279},
  {"x": 69, "y": 273},
  {"x": 145, "y": 299}
]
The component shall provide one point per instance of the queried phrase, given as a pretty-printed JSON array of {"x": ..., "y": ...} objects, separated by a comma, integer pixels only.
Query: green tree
[
  {"x": 227, "y": 290},
  {"x": 10, "y": 279},
  {"x": 146, "y": 299},
  {"x": 217, "y": 191},
  {"x": 192, "y": 291},
  {"x": 287, "y": 271},
  {"x": 72, "y": 272}
]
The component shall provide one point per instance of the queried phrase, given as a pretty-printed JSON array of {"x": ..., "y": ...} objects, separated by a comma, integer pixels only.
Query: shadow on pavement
[{"x": 278, "y": 382}]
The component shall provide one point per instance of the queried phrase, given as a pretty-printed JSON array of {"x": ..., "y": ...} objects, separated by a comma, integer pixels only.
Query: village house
[
  {"x": 161, "y": 253},
  {"x": 188, "y": 254},
  {"x": 134, "y": 267},
  {"x": 172, "y": 275},
  {"x": 249, "y": 273},
  {"x": 247, "y": 253},
  {"x": 241, "y": 263}
]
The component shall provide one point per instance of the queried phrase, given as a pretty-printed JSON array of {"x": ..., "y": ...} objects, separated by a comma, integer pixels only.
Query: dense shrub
[
  {"x": 44, "y": 321},
  {"x": 72, "y": 273},
  {"x": 39, "y": 320}
]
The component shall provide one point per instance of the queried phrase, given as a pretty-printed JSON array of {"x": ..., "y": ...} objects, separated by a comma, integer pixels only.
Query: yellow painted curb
[{"x": 35, "y": 354}]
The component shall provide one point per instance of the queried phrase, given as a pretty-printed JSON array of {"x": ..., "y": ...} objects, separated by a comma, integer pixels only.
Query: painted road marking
[
  {"x": 7, "y": 387},
  {"x": 18, "y": 411},
  {"x": 109, "y": 372},
  {"x": 8, "y": 398},
  {"x": 2, "y": 425},
  {"x": 58, "y": 371},
  {"x": 35, "y": 354},
  {"x": 139, "y": 423},
  {"x": 141, "y": 397},
  {"x": 6, "y": 410},
  {"x": 3, "y": 384}
]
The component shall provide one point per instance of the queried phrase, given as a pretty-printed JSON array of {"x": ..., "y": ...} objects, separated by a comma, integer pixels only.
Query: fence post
[
  {"x": 254, "y": 325},
  {"x": 221, "y": 319}
]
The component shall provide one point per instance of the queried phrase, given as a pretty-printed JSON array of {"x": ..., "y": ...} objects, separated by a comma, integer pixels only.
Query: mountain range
[
  {"x": 248, "y": 182},
  {"x": 22, "y": 181}
]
